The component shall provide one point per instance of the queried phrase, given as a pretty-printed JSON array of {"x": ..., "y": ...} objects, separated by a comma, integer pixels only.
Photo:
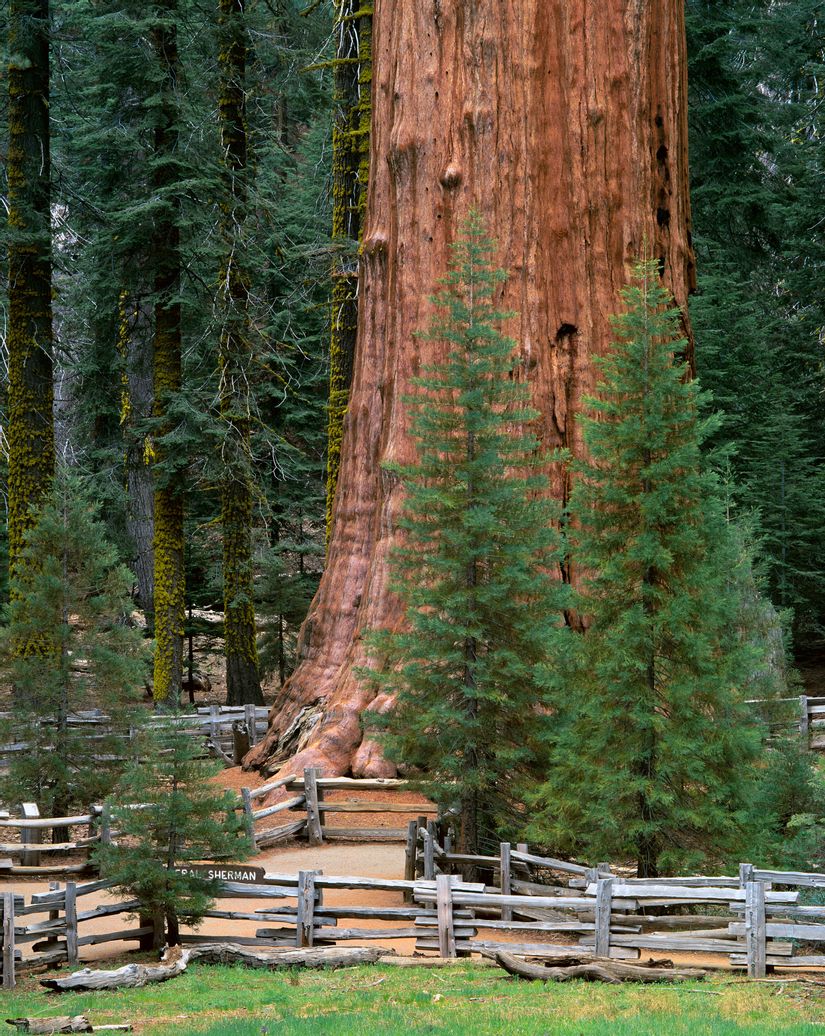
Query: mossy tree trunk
[
  {"x": 134, "y": 348},
  {"x": 170, "y": 613},
  {"x": 30, "y": 390},
  {"x": 352, "y": 70},
  {"x": 564, "y": 123},
  {"x": 243, "y": 684}
]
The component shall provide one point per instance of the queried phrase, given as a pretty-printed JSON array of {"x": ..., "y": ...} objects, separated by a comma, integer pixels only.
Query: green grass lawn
[{"x": 453, "y": 1001}]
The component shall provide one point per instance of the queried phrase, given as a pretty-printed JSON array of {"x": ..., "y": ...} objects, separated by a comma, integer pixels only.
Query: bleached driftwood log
[
  {"x": 594, "y": 969},
  {"x": 175, "y": 961}
]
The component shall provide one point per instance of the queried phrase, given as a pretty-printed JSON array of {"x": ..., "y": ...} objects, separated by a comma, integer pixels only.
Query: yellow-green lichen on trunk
[
  {"x": 240, "y": 646},
  {"x": 168, "y": 544},
  {"x": 30, "y": 391},
  {"x": 352, "y": 70}
]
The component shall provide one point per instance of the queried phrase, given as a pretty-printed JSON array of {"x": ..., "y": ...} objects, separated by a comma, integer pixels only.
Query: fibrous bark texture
[
  {"x": 30, "y": 390},
  {"x": 350, "y": 175},
  {"x": 564, "y": 123},
  {"x": 135, "y": 350},
  {"x": 170, "y": 606},
  {"x": 243, "y": 685}
]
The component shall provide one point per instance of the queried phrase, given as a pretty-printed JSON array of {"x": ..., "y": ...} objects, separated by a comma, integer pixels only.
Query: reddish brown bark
[{"x": 564, "y": 123}]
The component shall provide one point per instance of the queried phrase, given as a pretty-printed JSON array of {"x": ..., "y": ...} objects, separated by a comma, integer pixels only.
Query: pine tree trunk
[
  {"x": 243, "y": 684},
  {"x": 350, "y": 175},
  {"x": 564, "y": 123},
  {"x": 170, "y": 613},
  {"x": 30, "y": 389},
  {"x": 134, "y": 346}
]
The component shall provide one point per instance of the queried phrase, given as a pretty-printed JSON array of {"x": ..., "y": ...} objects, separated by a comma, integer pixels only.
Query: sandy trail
[{"x": 384, "y": 860}]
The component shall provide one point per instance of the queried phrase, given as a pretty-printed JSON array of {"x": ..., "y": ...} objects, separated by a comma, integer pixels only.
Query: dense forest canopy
[{"x": 236, "y": 214}]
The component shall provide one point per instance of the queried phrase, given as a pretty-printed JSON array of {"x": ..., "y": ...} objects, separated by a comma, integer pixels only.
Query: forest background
[{"x": 755, "y": 81}]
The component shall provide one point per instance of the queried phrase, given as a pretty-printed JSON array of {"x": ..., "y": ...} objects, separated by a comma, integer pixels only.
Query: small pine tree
[
  {"x": 72, "y": 599},
  {"x": 167, "y": 813},
  {"x": 476, "y": 567},
  {"x": 654, "y": 752}
]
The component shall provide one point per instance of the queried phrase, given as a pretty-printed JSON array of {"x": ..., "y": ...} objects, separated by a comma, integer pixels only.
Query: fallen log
[
  {"x": 132, "y": 976},
  {"x": 277, "y": 957},
  {"x": 63, "y": 1023},
  {"x": 434, "y": 962},
  {"x": 176, "y": 959},
  {"x": 593, "y": 969}
]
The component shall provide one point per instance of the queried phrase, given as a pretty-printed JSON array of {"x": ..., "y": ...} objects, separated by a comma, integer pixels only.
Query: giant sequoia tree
[{"x": 564, "y": 123}]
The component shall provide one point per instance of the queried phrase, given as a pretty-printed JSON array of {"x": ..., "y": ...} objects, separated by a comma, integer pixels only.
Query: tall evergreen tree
[
  {"x": 29, "y": 342},
  {"x": 755, "y": 141},
  {"x": 475, "y": 568},
  {"x": 653, "y": 751},
  {"x": 169, "y": 814},
  {"x": 242, "y": 677},
  {"x": 71, "y": 594},
  {"x": 169, "y": 575}
]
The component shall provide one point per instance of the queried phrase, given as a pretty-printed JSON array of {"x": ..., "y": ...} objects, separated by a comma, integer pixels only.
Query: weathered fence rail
[
  {"x": 25, "y": 852},
  {"x": 747, "y": 921},
  {"x": 805, "y": 713},
  {"x": 306, "y": 797},
  {"x": 227, "y": 732}
]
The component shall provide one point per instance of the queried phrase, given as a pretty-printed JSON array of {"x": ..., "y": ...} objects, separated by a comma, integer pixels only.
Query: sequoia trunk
[
  {"x": 350, "y": 174},
  {"x": 564, "y": 123}
]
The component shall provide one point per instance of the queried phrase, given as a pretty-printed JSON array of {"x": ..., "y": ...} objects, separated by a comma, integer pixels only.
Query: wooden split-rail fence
[
  {"x": 745, "y": 919},
  {"x": 26, "y": 851},
  {"x": 307, "y": 796},
  {"x": 227, "y": 732},
  {"x": 805, "y": 714},
  {"x": 529, "y": 904}
]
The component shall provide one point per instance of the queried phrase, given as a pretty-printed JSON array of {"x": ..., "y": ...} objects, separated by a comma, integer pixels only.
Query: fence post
[
  {"x": 71, "y": 921},
  {"x": 249, "y": 820},
  {"x": 105, "y": 824},
  {"x": 316, "y": 835},
  {"x": 604, "y": 904},
  {"x": 51, "y": 940},
  {"x": 8, "y": 940},
  {"x": 214, "y": 721},
  {"x": 421, "y": 825},
  {"x": 251, "y": 724},
  {"x": 305, "y": 918},
  {"x": 755, "y": 928},
  {"x": 745, "y": 874},
  {"x": 429, "y": 856},
  {"x": 504, "y": 869},
  {"x": 410, "y": 851},
  {"x": 240, "y": 741},
  {"x": 29, "y": 811},
  {"x": 804, "y": 721},
  {"x": 444, "y": 903}
]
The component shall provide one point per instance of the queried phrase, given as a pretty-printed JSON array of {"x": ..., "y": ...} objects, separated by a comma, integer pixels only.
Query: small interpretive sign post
[{"x": 225, "y": 872}]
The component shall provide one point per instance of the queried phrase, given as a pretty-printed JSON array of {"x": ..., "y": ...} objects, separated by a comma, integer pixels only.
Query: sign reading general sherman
[{"x": 225, "y": 872}]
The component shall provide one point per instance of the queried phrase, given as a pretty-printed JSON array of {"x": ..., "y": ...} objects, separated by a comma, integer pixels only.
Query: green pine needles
[
  {"x": 72, "y": 598},
  {"x": 167, "y": 814},
  {"x": 476, "y": 567},
  {"x": 653, "y": 754}
]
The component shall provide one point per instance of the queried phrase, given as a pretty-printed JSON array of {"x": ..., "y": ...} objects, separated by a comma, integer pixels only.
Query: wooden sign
[{"x": 225, "y": 872}]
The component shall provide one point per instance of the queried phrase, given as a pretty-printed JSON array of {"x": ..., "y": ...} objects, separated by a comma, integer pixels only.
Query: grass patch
[{"x": 220, "y": 1001}]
